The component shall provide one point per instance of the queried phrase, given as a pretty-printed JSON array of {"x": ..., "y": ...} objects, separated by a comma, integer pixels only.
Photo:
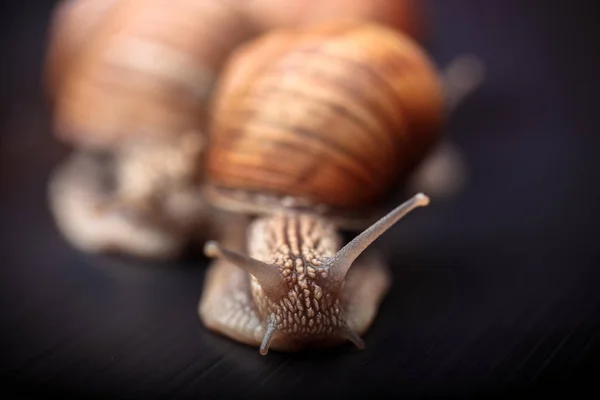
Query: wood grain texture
[
  {"x": 495, "y": 292},
  {"x": 333, "y": 114}
]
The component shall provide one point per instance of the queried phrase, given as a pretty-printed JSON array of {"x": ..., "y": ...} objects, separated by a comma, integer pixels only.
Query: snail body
[
  {"x": 291, "y": 286},
  {"x": 304, "y": 118}
]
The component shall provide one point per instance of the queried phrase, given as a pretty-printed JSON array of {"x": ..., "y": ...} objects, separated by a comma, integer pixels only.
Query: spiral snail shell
[
  {"x": 332, "y": 115},
  {"x": 147, "y": 68},
  {"x": 329, "y": 115}
]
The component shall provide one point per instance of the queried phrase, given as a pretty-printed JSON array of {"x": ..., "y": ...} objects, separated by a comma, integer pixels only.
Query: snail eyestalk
[
  {"x": 267, "y": 275},
  {"x": 342, "y": 261}
]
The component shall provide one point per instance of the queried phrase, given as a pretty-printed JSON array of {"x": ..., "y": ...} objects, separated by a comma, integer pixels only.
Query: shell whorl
[
  {"x": 332, "y": 114},
  {"x": 147, "y": 70}
]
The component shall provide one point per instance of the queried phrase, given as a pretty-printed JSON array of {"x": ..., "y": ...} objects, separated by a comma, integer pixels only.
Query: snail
[
  {"x": 310, "y": 128},
  {"x": 130, "y": 82}
]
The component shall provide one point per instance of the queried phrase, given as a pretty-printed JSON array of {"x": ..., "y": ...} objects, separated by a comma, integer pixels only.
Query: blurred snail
[
  {"x": 310, "y": 129},
  {"x": 130, "y": 82}
]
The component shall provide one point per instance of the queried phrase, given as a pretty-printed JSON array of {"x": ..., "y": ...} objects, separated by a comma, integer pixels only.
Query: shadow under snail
[{"x": 310, "y": 128}]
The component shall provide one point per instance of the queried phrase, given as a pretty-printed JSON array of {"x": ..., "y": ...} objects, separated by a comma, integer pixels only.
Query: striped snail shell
[
  {"x": 139, "y": 68},
  {"x": 332, "y": 115}
]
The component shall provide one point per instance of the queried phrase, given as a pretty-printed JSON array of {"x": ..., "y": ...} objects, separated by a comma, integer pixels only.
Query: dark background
[{"x": 496, "y": 291}]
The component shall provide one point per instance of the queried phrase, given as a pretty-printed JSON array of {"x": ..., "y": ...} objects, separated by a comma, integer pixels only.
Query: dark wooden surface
[{"x": 496, "y": 291}]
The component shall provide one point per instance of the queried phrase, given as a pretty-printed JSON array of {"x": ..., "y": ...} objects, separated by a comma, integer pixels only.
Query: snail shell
[
  {"x": 405, "y": 15},
  {"x": 146, "y": 69},
  {"x": 332, "y": 115}
]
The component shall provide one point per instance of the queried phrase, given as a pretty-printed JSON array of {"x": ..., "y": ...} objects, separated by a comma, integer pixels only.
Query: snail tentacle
[
  {"x": 267, "y": 275},
  {"x": 343, "y": 259},
  {"x": 268, "y": 338}
]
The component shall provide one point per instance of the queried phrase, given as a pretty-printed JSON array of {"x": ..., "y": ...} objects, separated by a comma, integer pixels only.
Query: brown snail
[
  {"x": 130, "y": 81},
  {"x": 311, "y": 127}
]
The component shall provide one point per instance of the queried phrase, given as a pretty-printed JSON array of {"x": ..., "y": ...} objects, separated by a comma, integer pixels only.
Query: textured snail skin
[
  {"x": 332, "y": 114},
  {"x": 307, "y": 313},
  {"x": 284, "y": 282},
  {"x": 76, "y": 202}
]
